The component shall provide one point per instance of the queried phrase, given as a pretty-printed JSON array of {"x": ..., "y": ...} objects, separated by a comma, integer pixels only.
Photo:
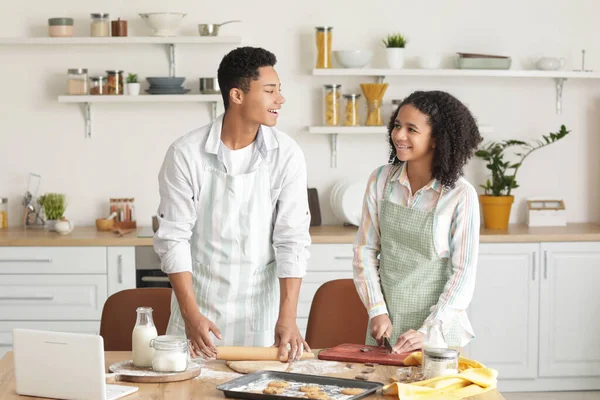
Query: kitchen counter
[
  {"x": 204, "y": 387},
  {"x": 328, "y": 234}
]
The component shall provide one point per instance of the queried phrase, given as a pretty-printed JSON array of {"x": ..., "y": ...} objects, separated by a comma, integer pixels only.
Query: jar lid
[
  {"x": 99, "y": 15},
  {"x": 60, "y": 21},
  {"x": 332, "y": 86},
  {"x": 114, "y": 71},
  {"x": 323, "y": 28},
  {"x": 3, "y": 200},
  {"x": 99, "y": 79},
  {"x": 352, "y": 96},
  {"x": 77, "y": 71},
  {"x": 441, "y": 353},
  {"x": 169, "y": 342}
]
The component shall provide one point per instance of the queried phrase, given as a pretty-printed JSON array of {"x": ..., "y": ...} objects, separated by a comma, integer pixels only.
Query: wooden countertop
[
  {"x": 204, "y": 387},
  {"x": 330, "y": 234}
]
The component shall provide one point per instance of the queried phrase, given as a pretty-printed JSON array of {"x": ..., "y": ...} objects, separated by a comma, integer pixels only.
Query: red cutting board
[{"x": 351, "y": 353}]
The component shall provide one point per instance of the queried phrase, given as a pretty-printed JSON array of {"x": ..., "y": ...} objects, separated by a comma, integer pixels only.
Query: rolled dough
[{"x": 247, "y": 367}]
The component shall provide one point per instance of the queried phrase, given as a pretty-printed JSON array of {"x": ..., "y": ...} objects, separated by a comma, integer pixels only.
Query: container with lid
[
  {"x": 3, "y": 213},
  {"x": 118, "y": 28},
  {"x": 331, "y": 104},
  {"x": 100, "y": 25},
  {"x": 439, "y": 362},
  {"x": 143, "y": 332},
  {"x": 324, "y": 36},
  {"x": 77, "y": 81},
  {"x": 60, "y": 27},
  {"x": 434, "y": 338},
  {"x": 114, "y": 82},
  {"x": 97, "y": 85},
  {"x": 170, "y": 353},
  {"x": 351, "y": 110}
]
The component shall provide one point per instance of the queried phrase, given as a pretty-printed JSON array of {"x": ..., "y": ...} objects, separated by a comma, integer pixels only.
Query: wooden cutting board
[
  {"x": 351, "y": 353},
  {"x": 125, "y": 371}
]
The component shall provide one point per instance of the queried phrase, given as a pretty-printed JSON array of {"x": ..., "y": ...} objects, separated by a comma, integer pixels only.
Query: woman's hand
[
  {"x": 409, "y": 341},
  {"x": 381, "y": 326}
]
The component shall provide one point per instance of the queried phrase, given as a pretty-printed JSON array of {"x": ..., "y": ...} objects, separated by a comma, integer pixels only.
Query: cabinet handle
[
  {"x": 27, "y": 298},
  {"x": 155, "y": 279},
  {"x": 120, "y": 268},
  {"x": 26, "y": 260},
  {"x": 545, "y": 264},
  {"x": 344, "y": 258},
  {"x": 534, "y": 257}
]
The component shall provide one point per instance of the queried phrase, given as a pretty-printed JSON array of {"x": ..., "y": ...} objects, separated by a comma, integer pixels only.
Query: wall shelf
[
  {"x": 87, "y": 101},
  {"x": 380, "y": 74},
  {"x": 335, "y": 131}
]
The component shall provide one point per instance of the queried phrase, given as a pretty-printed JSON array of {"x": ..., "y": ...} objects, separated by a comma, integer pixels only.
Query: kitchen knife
[{"x": 387, "y": 344}]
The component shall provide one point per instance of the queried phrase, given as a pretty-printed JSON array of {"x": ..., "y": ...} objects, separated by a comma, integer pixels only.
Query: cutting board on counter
[{"x": 351, "y": 353}]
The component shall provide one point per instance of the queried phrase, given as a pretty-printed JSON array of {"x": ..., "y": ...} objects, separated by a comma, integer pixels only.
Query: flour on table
[
  {"x": 127, "y": 368},
  {"x": 316, "y": 367}
]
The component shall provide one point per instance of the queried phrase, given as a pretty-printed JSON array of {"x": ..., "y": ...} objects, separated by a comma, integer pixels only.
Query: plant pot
[
  {"x": 133, "y": 89},
  {"x": 496, "y": 211},
  {"x": 395, "y": 57},
  {"x": 50, "y": 225}
]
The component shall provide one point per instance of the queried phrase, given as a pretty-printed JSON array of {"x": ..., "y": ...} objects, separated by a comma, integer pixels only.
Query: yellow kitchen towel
[{"x": 473, "y": 379}]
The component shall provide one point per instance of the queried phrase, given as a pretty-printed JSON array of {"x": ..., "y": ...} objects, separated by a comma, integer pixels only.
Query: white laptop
[{"x": 62, "y": 366}]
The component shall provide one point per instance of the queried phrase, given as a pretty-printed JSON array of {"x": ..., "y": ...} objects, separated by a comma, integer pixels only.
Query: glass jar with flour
[
  {"x": 143, "y": 332},
  {"x": 170, "y": 353}
]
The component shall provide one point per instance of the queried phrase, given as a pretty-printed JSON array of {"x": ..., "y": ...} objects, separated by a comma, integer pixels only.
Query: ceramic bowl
[{"x": 353, "y": 58}]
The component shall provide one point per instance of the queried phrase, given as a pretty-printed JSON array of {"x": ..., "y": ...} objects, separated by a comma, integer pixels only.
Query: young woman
[{"x": 416, "y": 250}]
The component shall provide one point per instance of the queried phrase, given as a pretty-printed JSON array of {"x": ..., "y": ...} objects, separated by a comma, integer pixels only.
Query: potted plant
[
  {"x": 395, "y": 44},
  {"x": 497, "y": 200},
  {"x": 54, "y": 205},
  {"x": 133, "y": 86}
]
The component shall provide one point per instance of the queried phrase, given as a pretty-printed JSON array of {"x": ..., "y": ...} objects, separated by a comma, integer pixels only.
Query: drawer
[
  {"x": 52, "y": 297},
  {"x": 311, "y": 283},
  {"x": 52, "y": 260},
  {"x": 6, "y": 327},
  {"x": 330, "y": 257}
]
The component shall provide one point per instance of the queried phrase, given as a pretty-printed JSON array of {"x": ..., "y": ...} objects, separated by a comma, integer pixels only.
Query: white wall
[{"x": 123, "y": 157}]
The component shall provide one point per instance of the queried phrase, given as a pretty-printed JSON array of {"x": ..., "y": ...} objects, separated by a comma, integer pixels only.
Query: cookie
[
  {"x": 352, "y": 391},
  {"x": 317, "y": 396},
  {"x": 310, "y": 388},
  {"x": 278, "y": 384},
  {"x": 273, "y": 390}
]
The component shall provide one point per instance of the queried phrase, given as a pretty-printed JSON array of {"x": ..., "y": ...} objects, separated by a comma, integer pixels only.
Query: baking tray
[{"x": 245, "y": 386}]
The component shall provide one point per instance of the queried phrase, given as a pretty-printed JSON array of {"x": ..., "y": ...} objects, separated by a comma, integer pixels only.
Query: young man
[{"x": 234, "y": 218}]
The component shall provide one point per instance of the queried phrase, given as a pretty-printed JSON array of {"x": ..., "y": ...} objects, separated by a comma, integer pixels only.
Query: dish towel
[{"x": 473, "y": 379}]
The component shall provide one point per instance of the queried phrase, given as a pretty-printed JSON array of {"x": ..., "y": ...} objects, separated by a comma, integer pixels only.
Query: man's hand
[
  {"x": 197, "y": 330},
  {"x": 409, "y": 341},
  {"x": 381, "y": 326},
  {"x": 287, "y": 332}
]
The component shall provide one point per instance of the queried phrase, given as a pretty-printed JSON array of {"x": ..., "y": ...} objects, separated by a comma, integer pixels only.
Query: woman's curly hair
[{"x": 453, "y": 128}]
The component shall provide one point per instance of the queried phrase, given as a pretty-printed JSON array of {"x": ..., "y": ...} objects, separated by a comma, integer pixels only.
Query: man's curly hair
[
  {"x": 453, "y": 129},
  {"x": 240, "y": 66}
]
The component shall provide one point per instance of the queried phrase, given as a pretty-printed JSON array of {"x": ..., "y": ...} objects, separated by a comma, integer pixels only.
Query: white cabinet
[
  {"x": 121, "y": 269},
  {"x": 570, "y": 310},
  {"x": 504, "y": 310}
]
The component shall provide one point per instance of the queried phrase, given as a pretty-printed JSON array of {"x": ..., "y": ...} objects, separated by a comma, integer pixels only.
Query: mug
[{"x": 550, "y": 63}]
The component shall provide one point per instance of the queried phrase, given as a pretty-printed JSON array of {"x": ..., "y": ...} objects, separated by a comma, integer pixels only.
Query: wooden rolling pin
[{"x": 240, "y": 353}]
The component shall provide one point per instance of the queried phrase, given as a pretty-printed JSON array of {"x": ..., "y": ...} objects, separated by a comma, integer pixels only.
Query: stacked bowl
[{"x": 166, "y": 85}]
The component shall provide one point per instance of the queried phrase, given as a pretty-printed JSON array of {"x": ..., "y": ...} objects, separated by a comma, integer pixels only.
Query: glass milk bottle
[
  {"x": 434, "y": 339},
  {"x": 143, "y": 332}
]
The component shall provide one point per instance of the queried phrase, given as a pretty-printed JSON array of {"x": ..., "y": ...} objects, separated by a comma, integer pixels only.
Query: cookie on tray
[
  {"x": 316, "y": 395},
  {"x": 273, "y": 390},
  {"x": 310, "y": 388},
  {"x": 278, "y": 384},
  {"x": 352, "y": 391}
]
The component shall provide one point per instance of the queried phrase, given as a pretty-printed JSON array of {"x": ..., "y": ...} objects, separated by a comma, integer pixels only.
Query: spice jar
[
  {"x": 324, "y": 37},
  {"x": 439, "y": 362},
  {"x": 77, "y": 81},
  {"x": 170, "y": 353},
  {"x": 331, "y": 112},
  {"x": 351, "y": 112},
  {"x": 114, "y": 82},
  {"x": 3, "y": 213},
  {"x": 97, "y": 85},
  {"x": 118, "y": 28},
  {"x": 60, "y": 27},
  {"x": 100, "y": 25},
  {"x": 143, "y": 332}
]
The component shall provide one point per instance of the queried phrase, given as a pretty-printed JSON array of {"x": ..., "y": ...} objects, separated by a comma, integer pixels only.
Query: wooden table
[{"x": 203, "y": 387}]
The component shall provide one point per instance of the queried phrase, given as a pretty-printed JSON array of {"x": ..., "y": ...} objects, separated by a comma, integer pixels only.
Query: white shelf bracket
[
  {"x": 172, "y": 60},
  {"x": 559, "y": 90},
  {"x": 379, "y": 79},
  {"x": 334, "y": 143},
  {"x": 87, "y": 115}
]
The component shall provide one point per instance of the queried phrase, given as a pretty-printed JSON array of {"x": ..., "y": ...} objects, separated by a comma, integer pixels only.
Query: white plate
[{"x": 346, "y": 201}]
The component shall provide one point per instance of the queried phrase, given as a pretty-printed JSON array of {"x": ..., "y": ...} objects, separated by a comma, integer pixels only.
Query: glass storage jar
[
  {"x": 351, "y": 111},
  {"x": 3, "y": 213},
  {"x": 434, "y": 338},
  {"x": 439, "y": 362},
  {"x": 324, "y": 36},
  {"x": 331, "y": 98},
  {"x": 60, "y": 27},
  {"x": 77, "y": 81},
  {"x": 114, "y": 82},
  {"x": 97, "y": 85},
  {"x": 100, "y": 25},
  {"x": 170, "y": 353}
]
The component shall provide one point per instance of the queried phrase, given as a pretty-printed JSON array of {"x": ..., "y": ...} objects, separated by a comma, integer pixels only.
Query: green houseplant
[
  {"x": 54, "y": 205},
  {"x": 395, "y": 44},
  {"x": 497, "y": 200},
  {"x": 133, "y": 86}
]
